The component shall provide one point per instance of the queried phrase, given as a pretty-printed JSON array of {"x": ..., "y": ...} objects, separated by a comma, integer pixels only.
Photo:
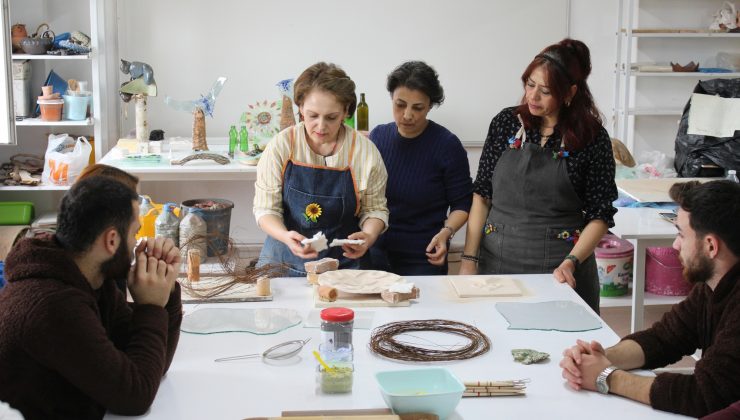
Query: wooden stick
[
  {"x": 467, "y": 394},
  {"x": 493, "y": 389},
  {"x": 193, "y": 265},
  {"x": 496, "y": 383}
]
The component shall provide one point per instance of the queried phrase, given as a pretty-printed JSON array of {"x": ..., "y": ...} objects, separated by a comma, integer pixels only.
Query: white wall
[
  {"x": 478, "y": 47},
  {"x": 595, "y": 22}
]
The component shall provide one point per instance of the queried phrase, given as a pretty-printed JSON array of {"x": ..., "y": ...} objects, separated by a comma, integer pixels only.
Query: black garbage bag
[{"x": 694, "y": 151}]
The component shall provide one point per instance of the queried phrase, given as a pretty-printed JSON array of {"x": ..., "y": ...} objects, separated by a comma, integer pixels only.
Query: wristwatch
[
  {"x": 573, "y": 258},
  {"x": 601, "y": 385}
]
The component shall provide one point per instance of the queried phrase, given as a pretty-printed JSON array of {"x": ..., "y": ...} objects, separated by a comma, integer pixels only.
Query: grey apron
[{"x": 535, "y": 219}]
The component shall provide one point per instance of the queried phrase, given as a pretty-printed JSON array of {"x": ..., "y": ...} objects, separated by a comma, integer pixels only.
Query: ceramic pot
[
  {"x": 39, "y": 45},
  {"x": 18, "y": 32}
]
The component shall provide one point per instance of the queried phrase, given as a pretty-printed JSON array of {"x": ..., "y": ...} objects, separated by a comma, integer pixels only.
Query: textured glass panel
[{"x": 255, "y": 321}]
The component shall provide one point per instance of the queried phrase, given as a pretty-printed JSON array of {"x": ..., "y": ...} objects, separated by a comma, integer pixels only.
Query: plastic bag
[
  {"x": 695, "y": 151},
  {"x": 725, "y": 18},
  {"x": 65, "y": 159},
  {"x": 654, "y": 164}
]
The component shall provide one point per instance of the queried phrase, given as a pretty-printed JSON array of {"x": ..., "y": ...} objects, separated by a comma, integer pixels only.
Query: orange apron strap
[{"x": 290, "y": 156}]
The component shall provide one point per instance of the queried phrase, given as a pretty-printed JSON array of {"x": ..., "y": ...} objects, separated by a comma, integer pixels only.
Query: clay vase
[{"x": 18, "y": 32}]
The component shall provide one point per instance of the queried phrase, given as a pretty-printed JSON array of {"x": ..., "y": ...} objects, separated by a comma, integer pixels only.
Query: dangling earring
[{"x": 567, "y": 104}]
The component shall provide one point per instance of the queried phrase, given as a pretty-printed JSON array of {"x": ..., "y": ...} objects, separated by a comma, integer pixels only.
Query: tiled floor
[{"x": 619, "y": 320}]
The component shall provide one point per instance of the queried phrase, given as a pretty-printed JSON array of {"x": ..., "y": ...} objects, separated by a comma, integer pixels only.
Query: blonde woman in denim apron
[
  {"x": 320, "y": 176},
  {"x": 545, "y": 184}
]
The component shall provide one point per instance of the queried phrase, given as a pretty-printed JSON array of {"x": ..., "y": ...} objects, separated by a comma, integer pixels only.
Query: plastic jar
[
  {"x": 336, "y": 327},
  {"x": 51, "y": 109},
  {"x": 339, "y": 378}
]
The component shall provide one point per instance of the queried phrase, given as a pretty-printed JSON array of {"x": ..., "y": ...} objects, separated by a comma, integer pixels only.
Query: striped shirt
[{"x": 367, "y": 167}]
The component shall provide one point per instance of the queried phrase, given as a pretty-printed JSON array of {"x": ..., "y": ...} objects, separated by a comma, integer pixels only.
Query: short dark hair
[
  {"x": 417, "y": 75},
  {"x": 91, "y": 206},
  {"x": 713, "y": 207}
]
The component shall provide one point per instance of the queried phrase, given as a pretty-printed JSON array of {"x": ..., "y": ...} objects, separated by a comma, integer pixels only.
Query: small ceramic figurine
[{"x": 138, "y": 69}]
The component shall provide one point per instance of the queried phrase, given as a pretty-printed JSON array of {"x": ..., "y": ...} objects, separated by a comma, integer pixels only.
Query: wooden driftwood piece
[
  {"x": 199, "y": 130},
  {"x": 203, "y": 156},
  {"x": 395, "y": 297}
]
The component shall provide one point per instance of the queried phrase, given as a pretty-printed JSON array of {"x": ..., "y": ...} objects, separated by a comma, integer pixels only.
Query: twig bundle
[
  {"x": 383, "y": 341},
  {"x": 238, "y": 274}
]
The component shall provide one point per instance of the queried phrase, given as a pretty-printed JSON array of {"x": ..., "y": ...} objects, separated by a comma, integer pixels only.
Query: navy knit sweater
[{"x": 428, "y": 176}]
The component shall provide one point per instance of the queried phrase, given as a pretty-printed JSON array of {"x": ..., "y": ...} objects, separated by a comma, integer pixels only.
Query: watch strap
[
  {"x": 574, "y": 259},
  {"x": 601, "y": 381}
]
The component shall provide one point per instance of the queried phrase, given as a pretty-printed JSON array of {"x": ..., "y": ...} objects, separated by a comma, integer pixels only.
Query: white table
[
  {"x": 644, "y": 228},
  {"x": 653, "y": 190},
  {"x": 198, "y": 388}
]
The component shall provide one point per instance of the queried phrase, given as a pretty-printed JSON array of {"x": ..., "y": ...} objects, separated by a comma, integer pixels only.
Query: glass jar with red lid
[{"x": 336, "y": 327}]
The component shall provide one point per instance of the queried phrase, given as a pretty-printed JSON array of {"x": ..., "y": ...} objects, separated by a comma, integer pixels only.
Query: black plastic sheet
[{"x": 695, "y": 151}]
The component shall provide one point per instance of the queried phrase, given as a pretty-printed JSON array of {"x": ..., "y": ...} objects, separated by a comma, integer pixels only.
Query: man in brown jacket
[
  {"x": 708, "y": 242},
  {"x": 70, "y": 344}
]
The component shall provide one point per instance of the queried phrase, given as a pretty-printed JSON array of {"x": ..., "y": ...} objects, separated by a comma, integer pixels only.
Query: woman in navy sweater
[{"x": 429, "y": 188}]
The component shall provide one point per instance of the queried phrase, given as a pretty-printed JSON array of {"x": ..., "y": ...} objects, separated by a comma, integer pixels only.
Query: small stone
[{"x": 529, "y": 356}]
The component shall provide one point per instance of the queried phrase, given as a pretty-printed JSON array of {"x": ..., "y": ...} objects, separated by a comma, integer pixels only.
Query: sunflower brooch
[{"x": 313, "y": 211}]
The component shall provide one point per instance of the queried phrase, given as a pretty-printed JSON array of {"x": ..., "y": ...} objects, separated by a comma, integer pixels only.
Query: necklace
[{"x": 336, "y": 144}]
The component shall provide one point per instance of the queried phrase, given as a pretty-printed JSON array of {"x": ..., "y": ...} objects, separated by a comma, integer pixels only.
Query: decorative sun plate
[
  {"x": 263, "y": 121},
  {"x": 359, "y": 281}
]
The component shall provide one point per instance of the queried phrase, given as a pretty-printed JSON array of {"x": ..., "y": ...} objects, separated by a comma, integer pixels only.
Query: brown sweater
[
  {"x": 707, "y": 320},
  {"x": 68, "y": 351}
]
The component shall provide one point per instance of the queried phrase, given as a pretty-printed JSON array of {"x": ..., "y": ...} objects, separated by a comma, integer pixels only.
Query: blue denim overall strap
[
  {"x": 307, "y": 187},
  {"x": 535, "y": 214}
]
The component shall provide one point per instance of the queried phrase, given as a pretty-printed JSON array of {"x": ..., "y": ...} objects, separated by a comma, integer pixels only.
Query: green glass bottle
[
  {"x": 233, "y": 140},
  {"x": 243, "y": 140},
  {"x": 363, "y": 114}
]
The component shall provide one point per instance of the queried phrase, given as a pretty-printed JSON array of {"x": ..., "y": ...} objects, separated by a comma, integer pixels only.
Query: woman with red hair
[{"x": 545, "y": 184}]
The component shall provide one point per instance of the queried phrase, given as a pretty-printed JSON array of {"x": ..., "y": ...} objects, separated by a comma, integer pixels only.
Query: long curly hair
[{"x": 565, "y": 64}]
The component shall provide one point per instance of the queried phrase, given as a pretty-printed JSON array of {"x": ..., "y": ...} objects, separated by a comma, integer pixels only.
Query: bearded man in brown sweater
[
  {"x": 708, "y": 242},
  {"x": 70, "y": 344}
]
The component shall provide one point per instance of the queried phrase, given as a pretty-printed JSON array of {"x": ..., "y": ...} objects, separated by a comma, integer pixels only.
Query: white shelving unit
[
  {"x": 651, "y": 31},
  {"x": 96, "y": 18}
]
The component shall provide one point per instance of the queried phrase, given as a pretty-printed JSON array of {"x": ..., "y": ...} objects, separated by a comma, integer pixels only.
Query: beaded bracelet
[{"x": 470, "y": 258}]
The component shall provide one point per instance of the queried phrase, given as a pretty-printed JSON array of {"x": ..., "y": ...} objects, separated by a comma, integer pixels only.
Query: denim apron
[
  {"x": 331, "y": 189},
  {"x": 535, "y": 218}
]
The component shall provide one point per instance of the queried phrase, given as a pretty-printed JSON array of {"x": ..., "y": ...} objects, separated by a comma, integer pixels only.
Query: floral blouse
[{"x": 591, "y": 170}]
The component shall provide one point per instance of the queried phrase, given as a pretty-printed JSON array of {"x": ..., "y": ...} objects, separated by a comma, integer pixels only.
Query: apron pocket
[
  {"x": 312, "y": 212},
  {"x": 491, "y": 249},
  {"x": 560, "y": 242}
]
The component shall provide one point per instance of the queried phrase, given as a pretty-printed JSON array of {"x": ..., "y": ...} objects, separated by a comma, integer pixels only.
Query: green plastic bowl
[
  {"x": 433, "y": 390},
  {"x": 16, "y": 212}
]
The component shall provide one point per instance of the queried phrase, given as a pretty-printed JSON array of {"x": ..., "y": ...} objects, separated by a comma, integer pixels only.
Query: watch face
[{"x": 601, "y": 385}]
